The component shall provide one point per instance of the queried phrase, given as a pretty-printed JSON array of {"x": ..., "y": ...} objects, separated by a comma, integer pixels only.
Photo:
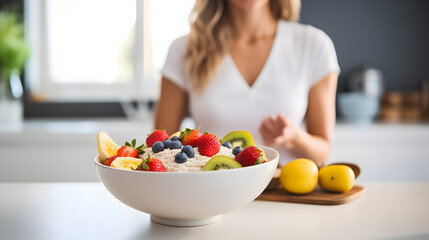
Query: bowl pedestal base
[{"x": 184, "y": 222}]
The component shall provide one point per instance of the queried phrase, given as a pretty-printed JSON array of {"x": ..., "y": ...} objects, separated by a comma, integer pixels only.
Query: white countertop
[{"x": 87, "y": 211}]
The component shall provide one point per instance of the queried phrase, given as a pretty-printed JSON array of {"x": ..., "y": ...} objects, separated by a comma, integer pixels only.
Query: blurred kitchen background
[{"x": 94, "y": 65}]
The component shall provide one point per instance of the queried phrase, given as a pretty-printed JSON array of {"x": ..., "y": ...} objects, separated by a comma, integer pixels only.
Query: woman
[{"x": 247, "y": 65}]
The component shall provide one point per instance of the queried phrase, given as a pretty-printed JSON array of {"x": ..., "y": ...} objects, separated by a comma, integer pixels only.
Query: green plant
[{"x": 14, "y": 50}]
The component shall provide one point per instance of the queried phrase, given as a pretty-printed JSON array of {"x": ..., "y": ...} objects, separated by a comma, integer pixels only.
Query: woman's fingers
[
  {"x": 291, "y": 128},
  {"x": 271, "y": 125},
  {"x": 268, "y": 138},
  {"x": 277, "y": 130},
  {"x": 266, "y": 130},
  {"x": 272, "y": 130},
  {"x": 282, "y": 120}
]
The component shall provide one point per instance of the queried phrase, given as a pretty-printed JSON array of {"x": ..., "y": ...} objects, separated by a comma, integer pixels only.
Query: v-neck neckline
[{"x": 259, "y": 78}]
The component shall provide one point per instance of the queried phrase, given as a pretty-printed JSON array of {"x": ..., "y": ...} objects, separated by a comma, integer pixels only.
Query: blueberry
[
  {"x": 175, "y": 138},
  {"x": 175, "y": 145},
  {"x": 167, "y": 143},
  {"x": 181, "y": 157},
  {"x": 189, "y": 151},
  {"x": 227, "y": 144},
  {"x": 158, "y": 147},
  {"x": 237, "y": 150}
]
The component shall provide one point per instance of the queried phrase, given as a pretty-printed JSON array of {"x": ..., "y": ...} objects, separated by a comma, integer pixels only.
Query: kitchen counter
[
  {"x": 63, "y": 150},
  {"x": 87, "y": 211}
]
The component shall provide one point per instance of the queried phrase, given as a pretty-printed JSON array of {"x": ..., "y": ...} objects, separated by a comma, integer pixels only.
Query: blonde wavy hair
[{"x": 207, "y": 40}]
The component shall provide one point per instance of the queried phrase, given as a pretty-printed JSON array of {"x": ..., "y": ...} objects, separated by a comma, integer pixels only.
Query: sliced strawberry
[
  {"x": 126, "y": 151},
  {"x": 251, "y": 156},
  {"x": 130, "y": 150},
  {"x": 157, "y": 135},
  {"x": 190, "y": 137},
  {"x": 208, "y": 145},
  {"x": 151, "y": 164},
  {"x": 110, "y": 160}
]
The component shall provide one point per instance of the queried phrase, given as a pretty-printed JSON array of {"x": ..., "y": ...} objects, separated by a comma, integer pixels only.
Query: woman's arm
[
  {"x": 315, "y": 143},
  {"x": 171, "y": 107}
]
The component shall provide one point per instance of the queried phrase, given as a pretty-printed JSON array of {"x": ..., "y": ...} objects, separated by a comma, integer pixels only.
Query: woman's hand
[
  {"x": 279, "y": 130},
  {"x": 315, "y": 142}
]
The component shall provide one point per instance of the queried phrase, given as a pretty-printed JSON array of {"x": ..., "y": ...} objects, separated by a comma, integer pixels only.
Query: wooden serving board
[{"x": 318, "y": 196}]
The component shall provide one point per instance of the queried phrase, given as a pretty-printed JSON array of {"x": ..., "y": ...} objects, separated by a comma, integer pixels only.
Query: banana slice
[
  {"x": 106, "y": 146},
  {"x": 128, "y": 163}
]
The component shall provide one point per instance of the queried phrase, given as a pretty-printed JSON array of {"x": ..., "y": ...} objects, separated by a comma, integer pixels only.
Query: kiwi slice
[
  {"x": 239, "y": 138},
  {"x": 221, "y": 162}
]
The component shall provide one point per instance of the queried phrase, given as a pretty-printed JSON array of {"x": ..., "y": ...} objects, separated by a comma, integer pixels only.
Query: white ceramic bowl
[{"x": 188, "y": 199}]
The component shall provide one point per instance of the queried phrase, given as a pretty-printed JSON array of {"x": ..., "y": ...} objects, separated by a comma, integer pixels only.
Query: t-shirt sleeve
[
  {"x": 174, "y": 67},
  {"x": 322, "y": 57}
]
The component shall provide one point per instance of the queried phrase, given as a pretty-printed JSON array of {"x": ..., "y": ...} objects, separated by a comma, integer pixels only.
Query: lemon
[
  {"x": 336, "y": 178},
  {"x": 128, "y": 163},
  {"x": 106, "y": 146},
  {"x": 299, "y": 176}
]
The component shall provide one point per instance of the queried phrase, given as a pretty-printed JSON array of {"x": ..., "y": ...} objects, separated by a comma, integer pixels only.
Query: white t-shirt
[{"x": 301, "y": 56}]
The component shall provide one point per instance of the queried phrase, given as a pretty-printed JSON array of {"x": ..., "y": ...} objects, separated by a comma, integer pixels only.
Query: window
[{"x": 97, "y": 50}]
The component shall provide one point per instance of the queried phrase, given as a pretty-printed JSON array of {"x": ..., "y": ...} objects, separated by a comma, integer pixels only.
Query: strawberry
[
  {"x": 190, "y": 137},
  {"x": 129, "y": 150},
  {"x": 157, "y": 135},
  {"x": 109, "y": 161},
  {"x": 208, "y": 144},
  {"x": 251, "y": 156},
  {"x": 151, "y": 164}
]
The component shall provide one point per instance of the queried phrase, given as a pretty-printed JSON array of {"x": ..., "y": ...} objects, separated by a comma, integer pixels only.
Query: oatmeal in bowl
[{"x": 188, "y": 178}]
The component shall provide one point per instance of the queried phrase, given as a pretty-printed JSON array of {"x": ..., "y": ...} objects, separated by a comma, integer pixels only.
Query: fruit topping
[
  {"x": 158, "y": 147},
  {"x": 176, "y": 134},
  {"x": 251, "y": 156},
  {"x": 237, "y": 150},
  {"x": 128, "y": 163},
  {"x": 189, "y": 151},
  {"x": 188, "y": 146},
  {"x": 109, "y": 161},
  {"x": 130, "y": 150},
  {"x": 181, "y": 157},
  {"x": 239, "y": 138},
  {"x": 151, "y": 164},
  {"x": 167, "y": 143},
  {"x": 190, "y": 137},
  {"x": 208, "y": 145},
  {"x": 106, "y": 146},
  {"x": 227, "y": 145},
  {"x": 175, "y": 138},
  {"x": 221, "y": 162},
  {"x": 175, "y": 145},
  {"x": 157, "y": 135}
]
